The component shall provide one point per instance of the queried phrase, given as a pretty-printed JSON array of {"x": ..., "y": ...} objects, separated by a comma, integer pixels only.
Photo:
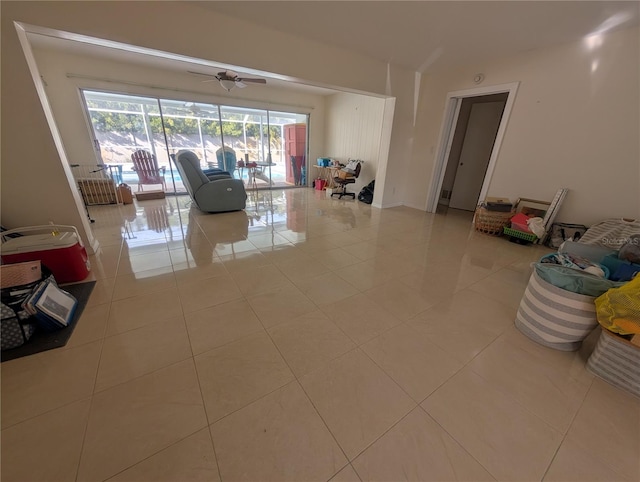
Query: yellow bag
[{"x": 618, "y": 310}]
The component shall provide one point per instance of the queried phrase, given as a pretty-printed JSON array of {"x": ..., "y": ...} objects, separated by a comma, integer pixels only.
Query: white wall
[
  {"x": 392, "y": 175},
  {"x": 64, "y": 96},
  {"x": 353, "y": 127},
  {"x": 574, "y": 124}
]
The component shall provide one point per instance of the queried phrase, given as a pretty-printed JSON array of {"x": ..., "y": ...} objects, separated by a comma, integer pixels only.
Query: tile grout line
[
  {"x": 296, "y": 380},
  {"x": 95, "y": 382},
  {"x": 564, "y": 435},
  {"x": 454, "y": 439},
  {"x": 196, "y": 372},
  {"x": 204, "y": 405},
  {"x": 154, "y": 371}
]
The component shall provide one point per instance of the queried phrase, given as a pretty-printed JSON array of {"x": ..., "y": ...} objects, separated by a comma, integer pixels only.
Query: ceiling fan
[{"x": 229, "y": 79}]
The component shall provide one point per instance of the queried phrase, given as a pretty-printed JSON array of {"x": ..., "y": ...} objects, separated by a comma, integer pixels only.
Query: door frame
[{"x": 447, "y": 129}]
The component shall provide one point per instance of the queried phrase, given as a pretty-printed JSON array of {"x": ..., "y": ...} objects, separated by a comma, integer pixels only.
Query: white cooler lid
[{"x": 38, "y": 242}]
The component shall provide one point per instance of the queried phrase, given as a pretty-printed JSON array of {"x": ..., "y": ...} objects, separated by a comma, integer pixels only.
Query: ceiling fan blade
[
  {"x": 240, "y": 84},
  {"x": 254, "y": 81},
  {"x": 200, "y": 73}
]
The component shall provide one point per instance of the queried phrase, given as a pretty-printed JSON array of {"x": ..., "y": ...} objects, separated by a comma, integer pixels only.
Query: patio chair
[
  {"x": 227, "y": 159},
  {"x": 146, "y": 167}
]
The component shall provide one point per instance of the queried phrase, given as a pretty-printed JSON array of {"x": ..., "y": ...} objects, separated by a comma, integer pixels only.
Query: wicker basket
[{"x": 491, "y": 222}]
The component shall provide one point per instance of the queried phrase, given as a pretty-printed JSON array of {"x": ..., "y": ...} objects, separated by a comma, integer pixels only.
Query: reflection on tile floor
[{"x": 303, "y": 339}]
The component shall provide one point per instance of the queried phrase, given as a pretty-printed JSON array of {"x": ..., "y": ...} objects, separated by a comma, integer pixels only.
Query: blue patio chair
[{"x": 227, "y": 159}]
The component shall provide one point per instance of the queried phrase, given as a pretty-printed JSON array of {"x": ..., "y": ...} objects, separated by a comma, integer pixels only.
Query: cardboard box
[
  {"x": 124, "y": 194},
  {"x": 146, "y": 195},
  {"x": 498, "y": 204},
  {"x": 502, "y": 200}
]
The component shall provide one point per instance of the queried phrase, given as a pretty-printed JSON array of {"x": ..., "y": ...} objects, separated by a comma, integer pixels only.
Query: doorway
[
  {"x": 473, "y": 140},
  {"x": 474, "y": 125}
]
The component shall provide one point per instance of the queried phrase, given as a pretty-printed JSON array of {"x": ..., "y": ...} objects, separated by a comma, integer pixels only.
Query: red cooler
[{"x": 58, "y": 247}]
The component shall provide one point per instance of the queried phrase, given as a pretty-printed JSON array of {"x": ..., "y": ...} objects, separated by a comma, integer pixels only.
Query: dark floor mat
[{"x": 41, "y": 340}]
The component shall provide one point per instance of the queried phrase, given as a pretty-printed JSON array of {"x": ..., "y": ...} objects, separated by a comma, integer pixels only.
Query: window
[{"x": 123, "y": 124}]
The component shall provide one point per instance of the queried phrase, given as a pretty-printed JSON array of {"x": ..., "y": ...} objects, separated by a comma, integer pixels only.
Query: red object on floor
[
  {"x": 320, "y": 184},
  {"x": 63, "y": 253},
  {"x": 519, "y": 222}
]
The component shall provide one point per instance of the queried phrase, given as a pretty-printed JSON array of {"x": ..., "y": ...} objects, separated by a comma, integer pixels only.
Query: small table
[
  {"x": 256, "y": 170},
  {"x": 327, "y": 173}
]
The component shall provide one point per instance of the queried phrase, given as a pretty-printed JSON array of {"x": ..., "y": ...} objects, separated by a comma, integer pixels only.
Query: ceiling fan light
[{"x": 227, "y": 84}]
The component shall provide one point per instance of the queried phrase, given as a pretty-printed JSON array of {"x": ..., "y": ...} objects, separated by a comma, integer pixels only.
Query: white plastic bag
[{"x": 536, "y": 225}]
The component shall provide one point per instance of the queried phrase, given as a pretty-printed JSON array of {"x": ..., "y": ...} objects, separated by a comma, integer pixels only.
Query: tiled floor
[{"x": 308, "y": 339}]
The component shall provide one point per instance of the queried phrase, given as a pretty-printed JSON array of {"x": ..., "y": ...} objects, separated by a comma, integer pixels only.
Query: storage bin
[
  {"x": 555, "y": 317},
  {"x": 491, "y": 222},
  {"x": 514, "y": 233},
  {"x": 63, "y": 252},
  {"x": 617, "y": 361},
  {"x": 503, "y": 207},
  {"x": 520, "y": 227}
]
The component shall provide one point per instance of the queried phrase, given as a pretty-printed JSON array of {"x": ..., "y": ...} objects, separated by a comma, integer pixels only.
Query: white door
[{"x": 482, "y": 128}]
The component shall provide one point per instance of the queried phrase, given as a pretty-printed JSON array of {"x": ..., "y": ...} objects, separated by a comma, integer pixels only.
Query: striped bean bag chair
[{"x": 555, "y": 317}]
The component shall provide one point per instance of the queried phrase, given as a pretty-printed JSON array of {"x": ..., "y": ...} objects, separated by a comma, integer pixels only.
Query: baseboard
[
  {"x": 392, "y": 205},
  {"x": 93, "y": 247},
  {"x": 415, "y": 206}
]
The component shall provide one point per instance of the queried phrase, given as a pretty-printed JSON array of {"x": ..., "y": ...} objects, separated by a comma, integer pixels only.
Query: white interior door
[{"x": 482, "y": 128}]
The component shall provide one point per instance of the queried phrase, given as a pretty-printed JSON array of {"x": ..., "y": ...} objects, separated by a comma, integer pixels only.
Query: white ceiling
[
  {"x": 434, "y": 35},
  {"x": 424, "y": 36},
  {"x": 51, "y": 42}
]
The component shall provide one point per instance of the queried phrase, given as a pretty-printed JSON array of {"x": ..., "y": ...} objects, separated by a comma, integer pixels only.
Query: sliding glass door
[{"x": 248, "y": 143}]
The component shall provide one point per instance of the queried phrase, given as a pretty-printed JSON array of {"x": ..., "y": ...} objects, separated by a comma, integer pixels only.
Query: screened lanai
[{"x": 259, "y": 138}]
